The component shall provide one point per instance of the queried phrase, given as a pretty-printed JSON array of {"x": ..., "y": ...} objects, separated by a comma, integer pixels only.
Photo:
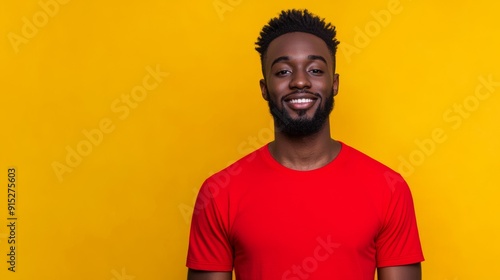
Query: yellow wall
[{"x": 113, "y": 113}]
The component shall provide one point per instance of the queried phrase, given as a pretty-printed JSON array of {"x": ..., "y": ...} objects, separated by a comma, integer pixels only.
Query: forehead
[{"x": 297, "y": 45}]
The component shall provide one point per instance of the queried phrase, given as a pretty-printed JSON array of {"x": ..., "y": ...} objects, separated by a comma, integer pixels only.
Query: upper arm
[
  {"x": 208, "y": 275},
  {"x": 210, "y": 247},
  {"x": 398, "y": 242},
  {"x": 402, "y": 272}
]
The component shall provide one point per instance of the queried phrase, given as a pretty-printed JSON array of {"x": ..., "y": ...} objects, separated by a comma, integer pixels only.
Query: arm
[
  {"x": 399, "y": 252},
  {"x": 403, "y": 272},
  {"x": 210, "y": 251},
  {"x": 208, "y": 275}
]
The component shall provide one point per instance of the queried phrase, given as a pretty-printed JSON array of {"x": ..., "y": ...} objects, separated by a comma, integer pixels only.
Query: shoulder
[
  {"x": 372, "y": 172},
  {"x": 362, "y": 161},
  {"x": 247, "y": 165},
  {"x": 229, "y": 182}
]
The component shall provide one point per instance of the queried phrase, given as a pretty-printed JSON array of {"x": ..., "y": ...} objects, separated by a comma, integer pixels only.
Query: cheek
[
  {"x": 323, "y": 87},
  {"x": 277, "y": 89},
  {"x": 273, "y": 82}
]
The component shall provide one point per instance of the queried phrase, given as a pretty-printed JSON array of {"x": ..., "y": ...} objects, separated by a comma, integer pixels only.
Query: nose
[{"x": 300, "y": 79}]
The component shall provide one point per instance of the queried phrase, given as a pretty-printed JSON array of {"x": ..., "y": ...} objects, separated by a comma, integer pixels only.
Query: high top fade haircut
[{"x": 296, "y": 21}]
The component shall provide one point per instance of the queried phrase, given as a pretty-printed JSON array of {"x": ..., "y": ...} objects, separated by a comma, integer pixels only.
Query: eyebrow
[{"x": 310, "y": 57}]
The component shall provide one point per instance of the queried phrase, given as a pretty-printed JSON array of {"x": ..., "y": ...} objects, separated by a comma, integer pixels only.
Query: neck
[{"x": 305, "y": 153}]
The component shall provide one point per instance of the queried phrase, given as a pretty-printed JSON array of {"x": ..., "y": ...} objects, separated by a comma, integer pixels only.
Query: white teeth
[{"x": 301, "y": 100}]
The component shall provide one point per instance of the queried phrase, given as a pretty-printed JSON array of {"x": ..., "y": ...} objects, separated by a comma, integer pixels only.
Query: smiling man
[{"x": 304, "y": 206}]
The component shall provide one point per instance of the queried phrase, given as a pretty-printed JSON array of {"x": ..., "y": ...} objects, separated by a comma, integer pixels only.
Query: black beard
[{"x": 301, "y": 127}]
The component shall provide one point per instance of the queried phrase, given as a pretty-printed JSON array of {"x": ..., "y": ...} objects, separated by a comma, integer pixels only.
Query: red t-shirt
[{"x": 269, "y": 222}]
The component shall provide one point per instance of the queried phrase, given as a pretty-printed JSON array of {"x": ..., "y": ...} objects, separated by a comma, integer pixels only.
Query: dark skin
[
  {"x": 297, "y": 62},
  {"x": 294, "y": 62},
  {"x": 209, "y": 275}
]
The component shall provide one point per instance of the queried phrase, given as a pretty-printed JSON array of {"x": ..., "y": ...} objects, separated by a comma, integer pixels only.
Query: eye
[
  {"x": 282, "y": 73},
  {"x": 316, "y": 71}
]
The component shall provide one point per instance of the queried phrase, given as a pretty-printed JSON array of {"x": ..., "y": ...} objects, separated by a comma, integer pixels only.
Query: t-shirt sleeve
[
  {"x": 398, "y": 242},
  {"x": 209, "y": 246}
]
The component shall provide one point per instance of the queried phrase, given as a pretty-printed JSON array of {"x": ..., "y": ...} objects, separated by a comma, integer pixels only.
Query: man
[{"x": 304, "y": 206}]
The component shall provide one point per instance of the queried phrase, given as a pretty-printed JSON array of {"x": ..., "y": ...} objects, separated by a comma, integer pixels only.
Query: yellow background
[{"x": 123, "y": 210}]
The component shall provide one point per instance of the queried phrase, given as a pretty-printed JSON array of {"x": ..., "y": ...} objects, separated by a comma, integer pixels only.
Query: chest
[{"x": 293, "y": 217}]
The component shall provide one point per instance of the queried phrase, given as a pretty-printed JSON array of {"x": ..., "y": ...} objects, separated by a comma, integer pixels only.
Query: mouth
[{"x": 300, "y": 101}]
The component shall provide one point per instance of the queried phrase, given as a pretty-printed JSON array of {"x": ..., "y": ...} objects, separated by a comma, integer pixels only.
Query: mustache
[{"x": 301, "y": 91}]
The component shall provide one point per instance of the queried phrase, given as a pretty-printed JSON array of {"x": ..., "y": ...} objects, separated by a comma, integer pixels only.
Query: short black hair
[{"x": 296, "y": 21}]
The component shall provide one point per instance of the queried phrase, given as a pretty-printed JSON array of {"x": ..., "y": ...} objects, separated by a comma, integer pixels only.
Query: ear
[
  {"x": 263, "y": 89},
  {"x": 335, "y": 85}
]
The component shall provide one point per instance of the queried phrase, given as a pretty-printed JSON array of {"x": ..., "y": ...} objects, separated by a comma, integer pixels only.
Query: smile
[
  {"x": 300, "y": 100},
  {"x": 300, "y": 104}
]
